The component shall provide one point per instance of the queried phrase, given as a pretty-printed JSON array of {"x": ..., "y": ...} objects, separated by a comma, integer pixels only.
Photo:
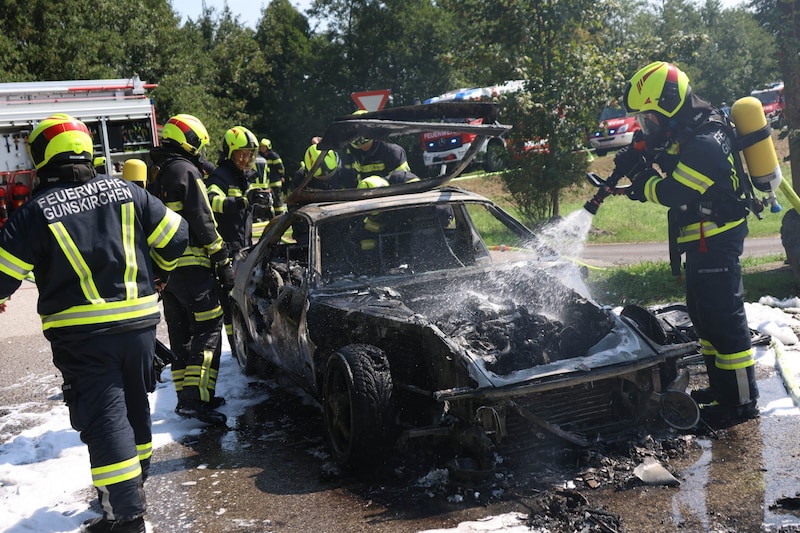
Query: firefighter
[
  {"x": 371, "y": 157},
  {"x": 191, "y": 303},
  {"x": 100, "y": 321},
  {"x": 692, "y": 144},
  {"x": 326, "y": 177},
  {"x": 232, "y": 193},
  {"x": 273, "y": 174}
]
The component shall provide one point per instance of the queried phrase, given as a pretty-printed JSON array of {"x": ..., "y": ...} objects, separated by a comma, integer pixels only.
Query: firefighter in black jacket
[
  {"x": 371, "y": 157},
  {"x": 271, "y": 173},
  {"x": 691, "y": 142},
  {"x": 232, "y": 193},
  {"x": 91, "y": 241},
  {"x": 191, "y": 304}
]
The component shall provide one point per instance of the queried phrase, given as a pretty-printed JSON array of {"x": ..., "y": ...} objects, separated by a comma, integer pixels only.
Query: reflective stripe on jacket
[{"x": 92, "y": 247}]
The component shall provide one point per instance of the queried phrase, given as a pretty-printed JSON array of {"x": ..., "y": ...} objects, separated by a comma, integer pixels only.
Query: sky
[
  {"x": 249, "y": 11},
  {"x": 48, "y": 449}
]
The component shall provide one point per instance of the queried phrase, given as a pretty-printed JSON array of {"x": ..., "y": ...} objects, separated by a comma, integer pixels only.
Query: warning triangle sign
[{"x": 371, "y": 100}]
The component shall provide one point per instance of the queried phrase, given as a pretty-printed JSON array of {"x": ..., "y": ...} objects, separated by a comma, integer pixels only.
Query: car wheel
[
  {"x": 496, "y": 157},
  {"x": 358, "y": 405},
  {"x": 241, "y": 342},
  {"x": 600, "y": 153}
]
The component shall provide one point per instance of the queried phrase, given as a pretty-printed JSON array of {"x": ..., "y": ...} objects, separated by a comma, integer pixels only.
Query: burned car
[{"x": 423, "y": 311}]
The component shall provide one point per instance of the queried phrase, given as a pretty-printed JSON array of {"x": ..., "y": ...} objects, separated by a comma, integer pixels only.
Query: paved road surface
[{"x": 610, "y": 255}]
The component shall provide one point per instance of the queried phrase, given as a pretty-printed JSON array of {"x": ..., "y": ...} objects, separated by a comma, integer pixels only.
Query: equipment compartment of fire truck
[{"x": 118, "y": 113}]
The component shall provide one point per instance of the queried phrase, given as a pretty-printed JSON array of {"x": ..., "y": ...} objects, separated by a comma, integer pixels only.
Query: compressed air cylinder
[
  {"x": 135, "y": 170},
  {"x": 761, "y": 158}
]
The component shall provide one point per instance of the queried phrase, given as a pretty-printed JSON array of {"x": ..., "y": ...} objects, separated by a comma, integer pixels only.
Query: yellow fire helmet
[
  {"x": 660, "y": 87},
  {"x": 329, "y": 165},
  {"x": 60, "y": 139},
  {"x": 240, "y": 146},
  {"x": 187, "y": 132},
  {"x": 372, "y": 182}
]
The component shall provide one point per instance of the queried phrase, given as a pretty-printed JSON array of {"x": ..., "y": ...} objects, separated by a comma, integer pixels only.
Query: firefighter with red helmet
[
  {"x": 232, "y": 194},
  {"x": 191, "y": 303},
  {"x": 692, "y": 144},
  {"x": 100, "y": 321}
]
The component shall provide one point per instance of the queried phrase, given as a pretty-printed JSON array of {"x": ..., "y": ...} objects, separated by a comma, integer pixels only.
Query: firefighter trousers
[
  {"x": 194, "y": 323},
  {"x": 106, "y": 379},
  {"x": 715, "y": 301}
]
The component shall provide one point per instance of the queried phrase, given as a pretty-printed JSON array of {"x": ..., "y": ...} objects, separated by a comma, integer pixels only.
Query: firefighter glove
[
  {"x": 224, "y": 273},
  {"x": 260, "y": 197},
  {"x": 627, "y": 160},
  {"x": 241, "y": 203},
  {"x": 638, "y": 184}
]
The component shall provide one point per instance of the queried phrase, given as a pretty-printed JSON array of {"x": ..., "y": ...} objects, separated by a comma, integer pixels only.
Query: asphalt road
[
  {"x": 611, "y": 255},
  {"x": 269, "y": 471}
]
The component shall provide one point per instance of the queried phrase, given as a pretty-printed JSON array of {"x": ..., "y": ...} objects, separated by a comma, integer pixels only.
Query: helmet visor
[
  {"x": 244, "y": 159},
  {"x": 650, "y": 123}
]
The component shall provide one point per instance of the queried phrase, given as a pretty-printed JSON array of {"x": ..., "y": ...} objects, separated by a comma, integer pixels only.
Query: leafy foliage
[{"x": 290, "y": 75}]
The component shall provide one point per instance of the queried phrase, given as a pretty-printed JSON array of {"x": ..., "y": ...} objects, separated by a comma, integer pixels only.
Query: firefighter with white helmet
[
  {"x": 93, "y": 243},
  {"x": 693, "y": 145},
  {"x": 191, "y": 303}
]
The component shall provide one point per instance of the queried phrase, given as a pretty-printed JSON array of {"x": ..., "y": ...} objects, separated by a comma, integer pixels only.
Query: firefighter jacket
[
  {"x": 91, "y": 246},
  {"x": 701, "y": 186},
  {"x": 381, "y": 159},
  {"x": 179, "y": 184},
  {"x": 262, "y": 171},
  {"x": 227, "y": 190}
]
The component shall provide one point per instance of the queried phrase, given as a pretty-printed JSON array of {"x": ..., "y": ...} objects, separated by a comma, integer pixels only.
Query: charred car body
[{"x": 434, "y": 325}]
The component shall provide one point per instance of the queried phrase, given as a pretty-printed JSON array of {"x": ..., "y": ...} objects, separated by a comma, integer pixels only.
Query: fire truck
[
  {"x": 443, "y": 148},
  {"x": 773, "y": 101},
  {"x": 118, "y": 113}
]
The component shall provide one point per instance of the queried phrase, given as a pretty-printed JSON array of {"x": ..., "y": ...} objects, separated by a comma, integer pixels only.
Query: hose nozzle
[{"x": 605, "y": 188}]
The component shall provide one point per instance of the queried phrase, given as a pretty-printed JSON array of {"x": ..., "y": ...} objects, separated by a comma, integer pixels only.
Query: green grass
[
  {"x": 652, "y": 283},
  {"x": 619, "y": 220}
]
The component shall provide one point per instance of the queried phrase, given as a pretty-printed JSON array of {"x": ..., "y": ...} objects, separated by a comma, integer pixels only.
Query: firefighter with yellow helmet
[
  {"x": 94, "y": 242},
  {"x": 191, "y": 303},
  {"x": 270, "y": 174},
  {"x": 692, "y": 144},
  {"x": 366, "y": 157},
  {"x": 233, "y": 194}
]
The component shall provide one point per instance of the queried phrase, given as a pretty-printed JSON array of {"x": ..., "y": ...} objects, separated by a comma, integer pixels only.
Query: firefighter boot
[
  {"x": 708, "y": 395},
  {"x": 202, "y": 411},
  {"x": 103, "y": 525}
]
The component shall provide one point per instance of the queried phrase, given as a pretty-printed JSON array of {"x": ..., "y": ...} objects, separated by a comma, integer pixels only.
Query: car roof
[{"x": 400, "y": 121}]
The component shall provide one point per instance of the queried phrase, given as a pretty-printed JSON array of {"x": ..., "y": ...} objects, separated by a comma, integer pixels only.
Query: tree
[
  {"x": 285, "y": 103},
  {"x": 401, "y": 45},
  {"x": 570, "y": 71},
  {"x": 789, "y": 32}
]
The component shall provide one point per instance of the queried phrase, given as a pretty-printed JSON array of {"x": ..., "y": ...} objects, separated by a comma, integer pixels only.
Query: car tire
[
  {"x": 600, "y": 153},
  {"x": 496, "y": 157},
  {"x": 358, "y": 405},
  {"x": 241, "y": 341}
]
